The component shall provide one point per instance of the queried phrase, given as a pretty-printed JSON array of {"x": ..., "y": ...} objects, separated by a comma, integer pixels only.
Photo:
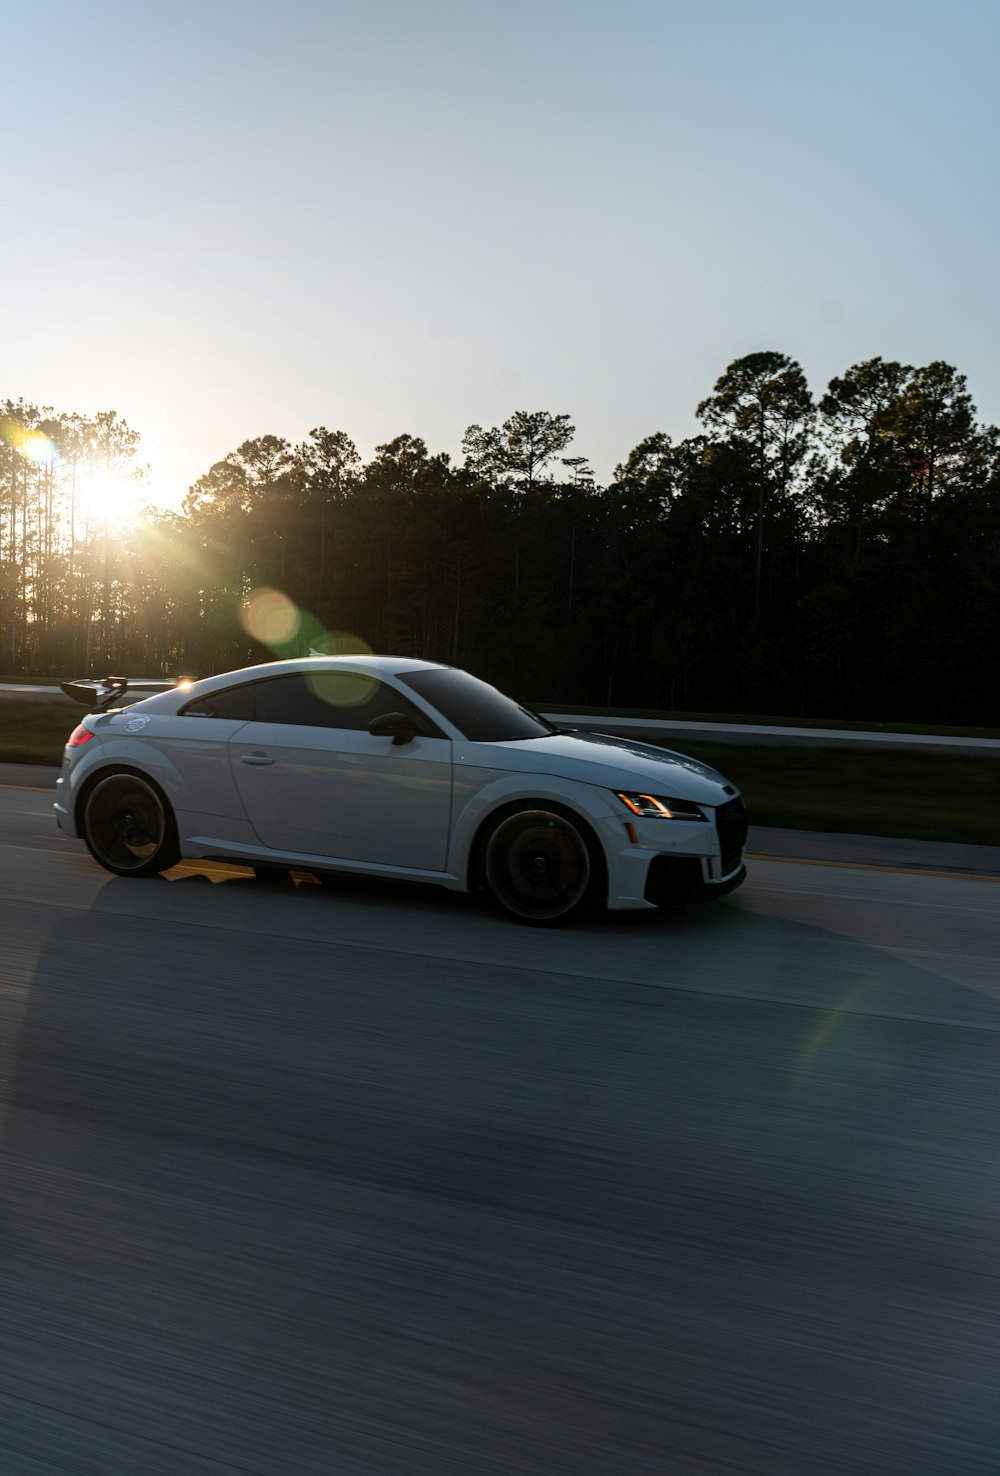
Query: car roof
[{"x": 367, "y": 665}]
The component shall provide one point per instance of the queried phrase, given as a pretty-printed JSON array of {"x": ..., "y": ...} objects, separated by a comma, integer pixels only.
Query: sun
[
  {"x": 104, "y": 499},
  {"x": 112, "y": 500}
]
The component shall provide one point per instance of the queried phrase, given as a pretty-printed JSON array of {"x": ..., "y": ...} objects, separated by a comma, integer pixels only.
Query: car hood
[{"x": 616, "y": 763}]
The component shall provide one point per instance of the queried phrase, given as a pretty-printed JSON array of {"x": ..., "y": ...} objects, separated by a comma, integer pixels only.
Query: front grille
[{"x": 731, "y": 825}]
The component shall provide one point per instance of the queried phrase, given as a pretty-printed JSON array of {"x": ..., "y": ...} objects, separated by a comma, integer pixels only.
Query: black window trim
[
  {"x": 185, "y": 711},
  {"x": 429, "y": 728}
]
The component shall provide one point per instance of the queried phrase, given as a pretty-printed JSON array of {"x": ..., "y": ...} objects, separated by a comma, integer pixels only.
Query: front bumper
[
  {"x": 674, "y": 880},
  {"x": 658, "y": 863}
]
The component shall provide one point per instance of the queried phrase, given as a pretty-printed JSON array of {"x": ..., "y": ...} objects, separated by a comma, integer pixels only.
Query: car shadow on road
[{"x": 368, "y": 891}]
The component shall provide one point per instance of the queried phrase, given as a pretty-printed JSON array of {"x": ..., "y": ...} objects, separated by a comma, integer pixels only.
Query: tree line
[{"x": 833, "y": 557}]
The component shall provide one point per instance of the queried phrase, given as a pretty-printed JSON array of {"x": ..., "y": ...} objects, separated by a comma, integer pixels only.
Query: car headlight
[{"x": 660, "y": 806}]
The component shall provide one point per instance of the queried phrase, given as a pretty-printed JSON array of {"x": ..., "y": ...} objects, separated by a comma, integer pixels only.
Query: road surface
[{"x": 359, "y": 1180}]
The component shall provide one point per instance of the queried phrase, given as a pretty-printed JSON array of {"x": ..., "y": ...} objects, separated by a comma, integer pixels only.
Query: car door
[
  {"x": 195, "y": 741},
  {"x": 315, "y": 781}
]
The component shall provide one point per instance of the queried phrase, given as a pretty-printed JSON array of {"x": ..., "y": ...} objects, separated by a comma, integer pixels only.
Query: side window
[
  {"x": 385, "y": 700},
  {"x": 232, "y": 702},
  {"x": 332, "y": 700}
]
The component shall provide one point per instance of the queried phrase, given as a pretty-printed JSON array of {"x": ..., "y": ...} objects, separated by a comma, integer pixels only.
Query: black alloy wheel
[
  {"x": 539, "y": 867},
  {"x": 128, "y": 827}
]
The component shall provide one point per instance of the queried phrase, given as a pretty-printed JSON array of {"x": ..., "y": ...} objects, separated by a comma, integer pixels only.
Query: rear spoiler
[{"x": 100, "y": 694}]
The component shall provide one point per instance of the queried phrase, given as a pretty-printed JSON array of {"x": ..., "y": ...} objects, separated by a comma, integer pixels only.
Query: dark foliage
[{"x": 839, "y": 559}]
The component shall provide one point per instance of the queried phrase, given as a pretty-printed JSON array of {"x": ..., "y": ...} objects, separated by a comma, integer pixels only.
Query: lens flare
[
  {"x": 339, "y": 643},
  {"x": 34, "y": 445},
  {"x": 338, "y": 689},
  {"x": 270, "y": 617},
  {"x": 840, "y": 1014}
]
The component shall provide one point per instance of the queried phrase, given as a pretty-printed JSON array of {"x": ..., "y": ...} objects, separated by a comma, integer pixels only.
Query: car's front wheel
[
  {"x": 128, "y": 826},
  {"x": 541, "y": 866}
]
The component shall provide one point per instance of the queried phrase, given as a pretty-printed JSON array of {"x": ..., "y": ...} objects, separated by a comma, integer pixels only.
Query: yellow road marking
[
  {"x": 29, "y": 788},
  {"x": 866, "y": 866}
]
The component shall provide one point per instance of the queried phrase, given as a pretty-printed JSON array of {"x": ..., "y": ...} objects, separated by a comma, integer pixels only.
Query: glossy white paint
[
  {"x": 346, "y": 799},
  {"x": 337, "y": 792},
  {"x": 191, "y": 745}
]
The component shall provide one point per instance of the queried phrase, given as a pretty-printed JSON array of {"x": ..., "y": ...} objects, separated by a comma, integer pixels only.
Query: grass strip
[
  {"x": 36, "y": 732},
  {"x": 914, "y": 796}
]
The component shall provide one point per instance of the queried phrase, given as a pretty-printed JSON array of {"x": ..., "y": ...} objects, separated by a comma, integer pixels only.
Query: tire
[
  {"x": 541, "y": 865},
  {"x": 128, "y": 826}
]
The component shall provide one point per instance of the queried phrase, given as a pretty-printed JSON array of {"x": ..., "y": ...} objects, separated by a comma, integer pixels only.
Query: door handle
[{"x": 256, "y": 758}]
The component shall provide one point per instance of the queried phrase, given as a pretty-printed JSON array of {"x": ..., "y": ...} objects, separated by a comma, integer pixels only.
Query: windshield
[{"x": 477, "y": 710}]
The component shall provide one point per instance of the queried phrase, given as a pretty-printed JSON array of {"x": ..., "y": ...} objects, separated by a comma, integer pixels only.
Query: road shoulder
[
  {"x": 872, "y": 850},
  {"x": 28, "y": 776}
]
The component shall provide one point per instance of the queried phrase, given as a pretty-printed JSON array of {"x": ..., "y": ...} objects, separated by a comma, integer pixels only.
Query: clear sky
[{"x": 224, "y": 218}]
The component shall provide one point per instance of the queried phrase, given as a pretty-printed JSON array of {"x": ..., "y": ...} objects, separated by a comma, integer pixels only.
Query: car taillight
[{"x": 79, "y": 735}]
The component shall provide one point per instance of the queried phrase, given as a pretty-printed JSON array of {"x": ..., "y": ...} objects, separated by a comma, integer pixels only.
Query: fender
[
  {"x": 473, "y": 807},
  {"x": 128, "y": 753}
]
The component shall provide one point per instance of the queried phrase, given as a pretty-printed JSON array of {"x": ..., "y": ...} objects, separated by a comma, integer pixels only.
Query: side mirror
[{"x": 394, "y": 725}]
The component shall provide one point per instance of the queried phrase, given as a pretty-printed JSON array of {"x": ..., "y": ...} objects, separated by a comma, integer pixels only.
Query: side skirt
[{"x": 204, "y": 848}]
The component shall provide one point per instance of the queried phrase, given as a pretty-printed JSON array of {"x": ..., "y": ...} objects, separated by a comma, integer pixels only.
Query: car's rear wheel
[
  {"x": 128, "y": 826},
  {"x": 541, "y": 866}
]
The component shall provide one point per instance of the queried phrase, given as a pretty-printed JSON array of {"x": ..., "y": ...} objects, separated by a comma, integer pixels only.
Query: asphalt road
[{"x": 359, "y": 1180}]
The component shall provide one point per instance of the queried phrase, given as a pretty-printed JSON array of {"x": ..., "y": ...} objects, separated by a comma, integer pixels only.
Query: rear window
[
  {"x": 231, "y": 702},
  {"x": 477, "y": 710}
]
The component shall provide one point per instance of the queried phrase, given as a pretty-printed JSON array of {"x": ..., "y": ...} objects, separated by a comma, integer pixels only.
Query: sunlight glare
[
  {"x": 113, "y": 500},
  {"x": 34, "y": 445}
]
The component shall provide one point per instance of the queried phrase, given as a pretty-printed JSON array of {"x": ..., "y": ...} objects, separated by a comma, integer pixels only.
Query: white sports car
[{"x": 395, "y": 768}]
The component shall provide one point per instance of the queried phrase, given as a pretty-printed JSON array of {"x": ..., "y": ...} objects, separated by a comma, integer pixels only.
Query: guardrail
[
  {"x": 685, "y": 732},
  {"x": 753, "y": 733}
]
